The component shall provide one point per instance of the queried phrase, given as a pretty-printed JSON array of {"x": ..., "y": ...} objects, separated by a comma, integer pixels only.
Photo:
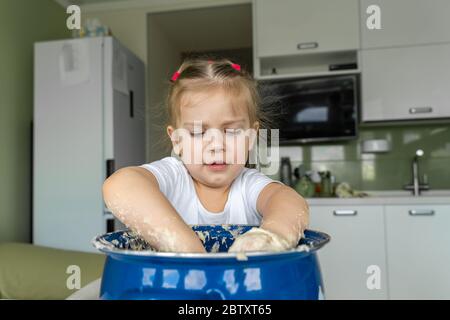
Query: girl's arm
[
  {"x": 284, "y": 212},
  {"x": 133, "y": 196},
  {"x": 285, "y": 217}
]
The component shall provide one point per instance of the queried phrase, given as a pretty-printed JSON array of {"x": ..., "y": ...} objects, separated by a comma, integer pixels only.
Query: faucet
[{"x": 416, "y": 186}]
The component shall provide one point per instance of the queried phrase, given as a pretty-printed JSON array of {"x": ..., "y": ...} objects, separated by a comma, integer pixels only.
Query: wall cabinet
[
  {"x": 406, "y": 23},
  {"x": 418, "y": 251},
  {"x": 406, "y": 83},
  {"x": 357, "y": 242},
  {"x": 293, "y": 27}
]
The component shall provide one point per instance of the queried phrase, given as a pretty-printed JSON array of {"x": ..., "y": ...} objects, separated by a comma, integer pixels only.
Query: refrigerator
[{"x": 89, "y": 120}]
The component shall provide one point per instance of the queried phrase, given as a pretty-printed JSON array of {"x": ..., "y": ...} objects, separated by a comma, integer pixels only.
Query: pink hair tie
[
  {"x": 236, "y": 66},
  {"x": 175, "y": 76}
]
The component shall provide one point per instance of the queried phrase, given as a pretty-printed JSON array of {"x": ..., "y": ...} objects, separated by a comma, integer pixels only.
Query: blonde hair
[{"x": 206, "y": 73}]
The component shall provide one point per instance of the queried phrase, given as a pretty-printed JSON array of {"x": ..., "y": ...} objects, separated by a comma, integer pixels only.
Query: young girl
[{"x": 206, "y": 183}]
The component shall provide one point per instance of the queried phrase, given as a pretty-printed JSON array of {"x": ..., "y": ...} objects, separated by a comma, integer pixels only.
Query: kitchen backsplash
[{"x": 381, "y": 171}]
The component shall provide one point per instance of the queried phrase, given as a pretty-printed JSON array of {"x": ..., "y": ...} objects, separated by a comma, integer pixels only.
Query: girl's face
[{"x": 213, "y": 137}]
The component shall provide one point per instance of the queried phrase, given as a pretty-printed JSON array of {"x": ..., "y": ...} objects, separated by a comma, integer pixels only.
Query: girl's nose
[
  {"x": 215, "y": 141},
  {"x": 215, "y": 146}
]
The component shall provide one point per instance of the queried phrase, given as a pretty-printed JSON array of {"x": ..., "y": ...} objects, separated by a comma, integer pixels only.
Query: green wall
[
  {"x": 22, "y": 22},
  {"x": 386, "y": 171}
]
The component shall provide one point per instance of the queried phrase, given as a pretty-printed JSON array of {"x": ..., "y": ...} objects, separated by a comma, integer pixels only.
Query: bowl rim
[{"x": 106, "y": 247}]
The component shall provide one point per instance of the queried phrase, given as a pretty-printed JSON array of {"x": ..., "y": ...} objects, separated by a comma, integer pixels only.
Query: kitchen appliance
[
  {"x": 133, "y": 271},
  {"x": 314, "y": 109},
  {"x": 89, "y": 120}
]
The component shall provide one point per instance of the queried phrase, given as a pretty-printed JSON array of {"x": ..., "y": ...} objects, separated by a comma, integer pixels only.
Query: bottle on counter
[
  {"x": 326, "y": 186},
  {"x": 286, "y": 171},
  {"x": 305, "y": 187},
  {"x": 316, "y": 180}
]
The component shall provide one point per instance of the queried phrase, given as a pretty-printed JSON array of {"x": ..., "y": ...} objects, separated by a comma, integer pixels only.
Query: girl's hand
[{"x": 258, "y": 239}]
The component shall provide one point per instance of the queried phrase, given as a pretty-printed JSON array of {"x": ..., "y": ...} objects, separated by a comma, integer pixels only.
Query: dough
[{"x": 257, "y": 239}]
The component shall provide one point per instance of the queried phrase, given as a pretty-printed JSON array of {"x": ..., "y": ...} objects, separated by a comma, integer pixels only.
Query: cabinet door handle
[
  {"x": 345, "y": 212},
  {"x": 420, "y": 110},
  {"x": 307, "y": 45},
  {"x": 424, "y": 212}
]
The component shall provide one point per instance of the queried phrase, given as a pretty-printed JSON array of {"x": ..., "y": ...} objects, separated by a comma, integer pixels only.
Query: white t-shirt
[{"x": 177, "y": 185}]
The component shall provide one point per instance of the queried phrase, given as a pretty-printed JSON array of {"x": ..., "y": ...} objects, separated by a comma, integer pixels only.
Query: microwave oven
[{"x": 313, "y": 109}]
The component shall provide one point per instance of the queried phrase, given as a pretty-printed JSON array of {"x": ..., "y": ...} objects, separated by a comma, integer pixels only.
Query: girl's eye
[
  {"x": 197, "y": 133},
  {"x": 233, "y": 131}
]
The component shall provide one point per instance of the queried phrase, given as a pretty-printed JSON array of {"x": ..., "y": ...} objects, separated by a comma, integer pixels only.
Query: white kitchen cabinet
[
  {"x": 357, "y": 242},
  {"x": 406, "y": 23},
  {"x": 303, "y": 26},
  {"x": 418, "y": 248},
  {"x": 406, "y": 83}
]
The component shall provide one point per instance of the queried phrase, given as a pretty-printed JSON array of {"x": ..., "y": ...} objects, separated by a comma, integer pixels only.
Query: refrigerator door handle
[
  {"x": 110, "y": 225},
  {"x": 109, "y": 167},
  {"x": 131, "y": 95}
]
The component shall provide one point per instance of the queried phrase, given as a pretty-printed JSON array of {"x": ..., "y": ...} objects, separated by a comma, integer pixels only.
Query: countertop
[{"x": 395, "y": 197}]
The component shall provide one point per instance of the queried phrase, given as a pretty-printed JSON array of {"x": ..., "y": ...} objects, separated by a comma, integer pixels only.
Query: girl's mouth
[{"x": 216, "y": 166}]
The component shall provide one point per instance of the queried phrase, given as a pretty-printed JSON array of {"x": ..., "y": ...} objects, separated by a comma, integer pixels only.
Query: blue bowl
[{"x": 134, "y": 271}]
